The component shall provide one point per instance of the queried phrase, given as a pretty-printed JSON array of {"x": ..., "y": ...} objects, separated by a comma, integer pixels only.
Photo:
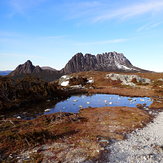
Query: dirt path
[{"x": 141, "y": 146}]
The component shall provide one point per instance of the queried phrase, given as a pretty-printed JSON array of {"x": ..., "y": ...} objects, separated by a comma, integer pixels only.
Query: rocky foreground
[
  {"x": 90, "y": 135},
  {"x": 141, "y": 146},
  {"x": 66, "y": 137}
]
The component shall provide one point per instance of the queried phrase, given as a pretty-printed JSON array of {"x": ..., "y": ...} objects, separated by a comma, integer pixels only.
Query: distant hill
[
  {"x": 48, "y": 68},
  {"x": 108, "y": 62},
  {"x": 3, "y": 73}
]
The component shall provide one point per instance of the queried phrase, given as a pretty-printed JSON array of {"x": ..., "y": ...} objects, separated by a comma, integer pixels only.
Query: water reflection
[{"x": 75, "y": 103}]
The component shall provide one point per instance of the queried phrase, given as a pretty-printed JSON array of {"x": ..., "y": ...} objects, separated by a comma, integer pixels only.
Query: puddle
[{"x": 77, "y": 102}]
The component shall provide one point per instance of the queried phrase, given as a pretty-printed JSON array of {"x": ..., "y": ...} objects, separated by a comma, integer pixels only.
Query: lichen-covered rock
[{"x": 130, "y": 80}]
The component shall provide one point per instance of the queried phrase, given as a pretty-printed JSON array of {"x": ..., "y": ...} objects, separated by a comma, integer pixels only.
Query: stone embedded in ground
[{"x": 130, "y": 80}]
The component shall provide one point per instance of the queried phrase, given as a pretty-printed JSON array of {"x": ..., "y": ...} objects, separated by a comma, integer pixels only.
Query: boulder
[{"x": 130, "y": 80}]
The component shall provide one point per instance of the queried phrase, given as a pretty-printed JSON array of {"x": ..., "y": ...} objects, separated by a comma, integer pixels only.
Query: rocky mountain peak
[
  {"x": 109, "y": 61},
  {"x": 29, "y": 69},
  {"x": 25, "y": 68}
]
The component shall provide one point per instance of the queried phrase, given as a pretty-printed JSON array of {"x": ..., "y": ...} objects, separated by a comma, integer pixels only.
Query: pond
[{"x": 77, "y": 102}]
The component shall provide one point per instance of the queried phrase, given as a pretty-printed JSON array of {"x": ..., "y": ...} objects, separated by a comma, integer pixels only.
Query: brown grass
[
  {"x": 132, "y": 92},
  {"x": 101, "y": 81},
  {"x": 80, "y": 131}
]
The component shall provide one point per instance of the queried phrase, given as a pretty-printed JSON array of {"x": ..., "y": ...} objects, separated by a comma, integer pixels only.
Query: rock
[
  {"x": 130, "y": 80},
  {"x": 111, "y": 61},
  {"x": 29, "y": 69}
]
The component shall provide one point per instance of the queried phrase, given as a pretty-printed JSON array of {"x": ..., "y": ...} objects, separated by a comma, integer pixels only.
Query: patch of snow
[
  {"x": 90, "y": 81},
  {"x": 64, "y": 77},
  {"x": 65, "y": 83},
  {"x": 122, "y": 66},
  {"x": 47, "y": 110}
]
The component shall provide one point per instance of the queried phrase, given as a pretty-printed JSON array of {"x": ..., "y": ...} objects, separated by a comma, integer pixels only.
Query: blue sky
[{"x": 50, "y": 32}]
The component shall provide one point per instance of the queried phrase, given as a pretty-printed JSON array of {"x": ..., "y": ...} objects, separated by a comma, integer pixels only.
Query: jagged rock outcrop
[
  {"x": 111, "y": 61},
  {"x": 29, "y": 69}
]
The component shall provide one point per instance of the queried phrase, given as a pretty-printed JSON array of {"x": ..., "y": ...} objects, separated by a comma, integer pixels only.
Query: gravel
[{"x": 141, "y": 146}]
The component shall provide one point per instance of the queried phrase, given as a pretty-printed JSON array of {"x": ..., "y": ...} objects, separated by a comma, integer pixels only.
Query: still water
[{"x": 75, "y": 103}]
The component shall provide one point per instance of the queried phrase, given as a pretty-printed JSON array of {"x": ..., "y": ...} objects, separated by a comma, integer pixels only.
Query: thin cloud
[
  {"x": 115, "y": 41},
  {"x": 55, "y": 37},
  {"x": 82, "y": 9},
  {"x": 148, "y": 26},
  {"x": 22, "y": 55},
  {"x": 153, "y": 6},
  {"x": 22, "y": 6}
]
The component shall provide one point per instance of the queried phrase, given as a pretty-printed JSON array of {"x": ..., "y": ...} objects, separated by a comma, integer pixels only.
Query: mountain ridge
[{"x": 111, "y": 61}]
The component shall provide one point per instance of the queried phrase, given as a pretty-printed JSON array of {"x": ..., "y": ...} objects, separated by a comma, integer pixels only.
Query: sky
[{"x": 50, "y": 32}]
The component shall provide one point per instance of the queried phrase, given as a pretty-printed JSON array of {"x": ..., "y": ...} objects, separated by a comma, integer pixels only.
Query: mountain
[
  {"x": 29, "y": 69},
  {"x": 48, "y": 68},
  {"x": 3, "y": 73},
  {"x": 111, "y": 61}
]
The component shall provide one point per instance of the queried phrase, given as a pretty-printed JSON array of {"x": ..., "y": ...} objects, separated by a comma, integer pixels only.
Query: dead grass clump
[{"x": 18, "y": 135}]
